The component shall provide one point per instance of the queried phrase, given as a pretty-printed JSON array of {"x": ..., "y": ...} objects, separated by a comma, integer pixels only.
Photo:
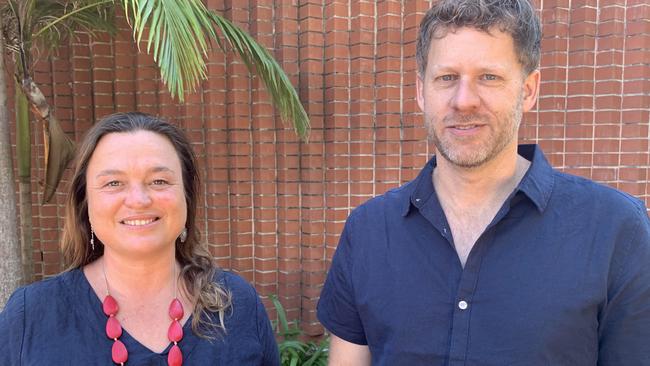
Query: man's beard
[{"x": 493, "y": 145}]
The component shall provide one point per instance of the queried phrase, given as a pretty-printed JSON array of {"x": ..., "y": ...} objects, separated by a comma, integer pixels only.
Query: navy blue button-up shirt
[{"x": 561, "y": 276}]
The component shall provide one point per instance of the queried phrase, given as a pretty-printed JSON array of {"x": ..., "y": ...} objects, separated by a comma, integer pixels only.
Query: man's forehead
[
  {"x": 443, "y": 31},
  {"x": 472, "y": 48},
  {"x": 459, "y": 39},
  {"x": 486, "y": 66}
]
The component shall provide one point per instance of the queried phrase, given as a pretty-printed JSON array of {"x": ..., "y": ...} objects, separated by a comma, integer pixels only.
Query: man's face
[{"x": 473, "y": 94}]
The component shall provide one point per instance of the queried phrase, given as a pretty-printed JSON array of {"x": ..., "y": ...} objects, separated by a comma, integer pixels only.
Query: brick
[{"x": 274, "y": 207}]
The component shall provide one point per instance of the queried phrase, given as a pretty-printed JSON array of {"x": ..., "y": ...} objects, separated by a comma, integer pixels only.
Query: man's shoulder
[
  {"x": 392, "y": 202},
  {"x": 599, "y": 197}
]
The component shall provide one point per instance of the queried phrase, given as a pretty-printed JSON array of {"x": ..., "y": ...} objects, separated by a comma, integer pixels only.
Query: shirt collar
[{"x": 537, "y": 184}]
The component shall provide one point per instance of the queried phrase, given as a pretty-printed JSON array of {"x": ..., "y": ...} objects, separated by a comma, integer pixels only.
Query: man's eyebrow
[
  {"x": 490, "y": 67},
  {"x": 495, "y": 67}
]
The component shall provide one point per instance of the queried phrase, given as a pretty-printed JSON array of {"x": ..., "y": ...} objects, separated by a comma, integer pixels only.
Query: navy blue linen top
[
  {"x": 59, "y": 321},
  {"x": 561, "y": 276}
]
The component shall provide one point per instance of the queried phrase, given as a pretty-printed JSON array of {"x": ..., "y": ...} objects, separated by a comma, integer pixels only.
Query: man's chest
[
  {"x": 468, "y": 224},
  {"x": 515, "y": 302},
  {"x": 466, "y": 230}
]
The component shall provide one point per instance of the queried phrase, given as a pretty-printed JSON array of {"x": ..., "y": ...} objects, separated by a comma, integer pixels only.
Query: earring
[
  {"x": 92, "y": 239},
  {"x": 183, "y": 235}
]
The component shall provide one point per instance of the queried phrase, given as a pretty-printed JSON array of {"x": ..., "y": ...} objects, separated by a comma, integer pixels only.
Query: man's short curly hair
[{"x": 515, "y": 17}]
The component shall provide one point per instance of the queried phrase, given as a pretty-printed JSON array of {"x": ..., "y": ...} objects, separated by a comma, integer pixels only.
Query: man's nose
[{"x": 466, "y": 96}]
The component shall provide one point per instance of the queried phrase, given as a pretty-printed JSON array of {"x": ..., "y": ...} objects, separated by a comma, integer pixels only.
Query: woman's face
[{"x": 136, "y": 198}]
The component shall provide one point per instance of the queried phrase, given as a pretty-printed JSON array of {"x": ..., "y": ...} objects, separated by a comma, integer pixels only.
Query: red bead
[
  {"x": 176, "y": 310},
  {"x": 113, "y": 328},
  {"x": 110, "y": 305},
  {"x": 175, "y": 332},
  {"x": 120, "y": 355},
  {"x": 175, "y": 357}
]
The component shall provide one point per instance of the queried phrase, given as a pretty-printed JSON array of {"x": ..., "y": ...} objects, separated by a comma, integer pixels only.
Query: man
[{"x": 489, "y": 257}]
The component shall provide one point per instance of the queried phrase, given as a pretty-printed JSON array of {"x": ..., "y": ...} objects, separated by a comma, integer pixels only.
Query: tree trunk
[
  {"x": 10, "y": 263},
  {"x": 24, "y": 160}
]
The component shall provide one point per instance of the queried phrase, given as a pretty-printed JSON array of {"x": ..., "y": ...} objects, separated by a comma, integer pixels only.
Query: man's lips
[
  {"x": 465, "y": 121},
  {"x": 465, "y": 130},
  {"x": 465, "y": 127}
]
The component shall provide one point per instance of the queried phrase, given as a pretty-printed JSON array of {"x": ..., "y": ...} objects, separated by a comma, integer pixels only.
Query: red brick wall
[{"x": 274, "y": 207}]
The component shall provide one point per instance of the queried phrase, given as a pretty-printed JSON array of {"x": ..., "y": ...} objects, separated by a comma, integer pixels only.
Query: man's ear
[
  {"x": 531, "y": 90},
  {"x": 419, "y": 90}
]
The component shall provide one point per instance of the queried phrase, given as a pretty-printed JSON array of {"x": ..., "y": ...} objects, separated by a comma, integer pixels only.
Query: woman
[{"x": 140, "y": 288}]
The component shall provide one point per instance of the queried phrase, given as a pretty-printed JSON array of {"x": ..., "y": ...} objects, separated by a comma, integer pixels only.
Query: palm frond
[
  {"x": 177, "y": 35},
  {"x": 53, "y": 21},
  {"x": 258, "y": 59},
  {"x": 9, "y": 26},
  {"x": 178, "y": 32}
]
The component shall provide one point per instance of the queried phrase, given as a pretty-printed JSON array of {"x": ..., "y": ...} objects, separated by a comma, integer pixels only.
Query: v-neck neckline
[{"x": 133, "y": 346}]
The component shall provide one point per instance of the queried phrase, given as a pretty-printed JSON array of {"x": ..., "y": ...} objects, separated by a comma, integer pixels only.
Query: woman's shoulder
[
  {"x": 40, "y": 303},
  {"x": 47, "y": 291},
  {"x": 245, "y": 303},
  {"x": 237, "y": 286},
  {"x": 248, "y": 336}
]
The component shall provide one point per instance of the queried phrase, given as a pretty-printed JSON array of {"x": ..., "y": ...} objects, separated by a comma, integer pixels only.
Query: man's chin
[
  {"x": 468, "y": 163},
  {"x": 464, "y": 157}
]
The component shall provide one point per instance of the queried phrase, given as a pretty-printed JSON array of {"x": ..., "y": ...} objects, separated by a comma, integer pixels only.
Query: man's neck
[
  {"x": 470, "y": 198},
  {"x": 473, "y": 186}
]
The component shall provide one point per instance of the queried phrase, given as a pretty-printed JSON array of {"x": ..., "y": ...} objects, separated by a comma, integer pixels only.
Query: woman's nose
[{"x": 138, "y": 196}]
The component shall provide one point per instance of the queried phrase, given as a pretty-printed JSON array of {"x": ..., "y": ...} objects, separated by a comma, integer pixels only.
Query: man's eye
[
  {"x": 159, "y": 182},
  {"x": 447, "y": 77},
  {"x": 490, "y": 77},
  {"x": 113, "y": 183}
]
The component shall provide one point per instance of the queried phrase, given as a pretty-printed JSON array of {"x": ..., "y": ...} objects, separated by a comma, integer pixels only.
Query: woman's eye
[
  {"x": 159, "y": 182},
  {"x": 112, "y": 183}
]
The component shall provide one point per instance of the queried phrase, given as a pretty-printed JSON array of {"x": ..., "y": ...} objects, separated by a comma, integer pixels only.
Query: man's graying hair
[{"x": 514, "y": 17}]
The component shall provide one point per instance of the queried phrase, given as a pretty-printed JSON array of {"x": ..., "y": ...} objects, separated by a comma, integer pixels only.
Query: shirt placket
[{"x": 460, "y": 330}]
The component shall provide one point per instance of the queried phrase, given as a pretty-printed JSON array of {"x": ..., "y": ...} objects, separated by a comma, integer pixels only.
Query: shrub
[{"x": 293, "y": 351}]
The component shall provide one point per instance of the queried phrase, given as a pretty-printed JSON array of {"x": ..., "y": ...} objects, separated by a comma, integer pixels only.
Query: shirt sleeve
[
  {"x": 12, "y": 323},
  {"x": 337, "y": 309},
  {"x": 267, "y": 337},
  {"x": 624, "y": 329}
]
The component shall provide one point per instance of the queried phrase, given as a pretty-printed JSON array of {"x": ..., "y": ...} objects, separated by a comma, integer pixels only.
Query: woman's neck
[{"x": 141, "y": 277}]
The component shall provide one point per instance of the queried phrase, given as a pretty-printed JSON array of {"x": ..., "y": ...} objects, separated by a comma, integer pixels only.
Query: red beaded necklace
[{"x": 114, "y": 328}]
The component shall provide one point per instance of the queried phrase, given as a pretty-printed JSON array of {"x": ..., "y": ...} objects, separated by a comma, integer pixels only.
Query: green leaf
[
  {"x": 292, "y": 350},
  {"x": 76, "y": 14},
  {"x": 179, "y": 38},
  {"x": 258, "y": 59},
  {"x": 282, "y": 317}
]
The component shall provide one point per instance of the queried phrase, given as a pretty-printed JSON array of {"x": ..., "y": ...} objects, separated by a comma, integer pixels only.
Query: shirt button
[{"x": 462, "y": 305}]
